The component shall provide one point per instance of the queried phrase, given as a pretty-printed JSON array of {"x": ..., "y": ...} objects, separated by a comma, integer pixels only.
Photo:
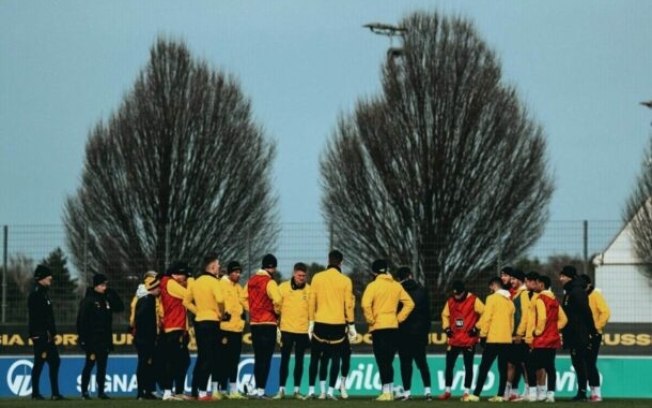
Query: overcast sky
[{"x": 581, "y": 67}]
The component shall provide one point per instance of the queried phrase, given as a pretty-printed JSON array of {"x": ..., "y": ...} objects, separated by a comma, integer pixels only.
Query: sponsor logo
[
  {"x": 19, "y": 378},
  {"x": 246, "y": 379}
]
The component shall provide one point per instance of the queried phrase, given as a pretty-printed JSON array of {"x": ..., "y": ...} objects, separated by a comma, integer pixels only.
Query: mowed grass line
[{"x": 350, "y": 403}]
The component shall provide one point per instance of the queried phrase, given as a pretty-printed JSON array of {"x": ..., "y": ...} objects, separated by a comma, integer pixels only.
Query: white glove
[
  {"x": 311, "y": 328},
  {"x": 352, "y": 333},
  {"x": 278, "y": 336}
]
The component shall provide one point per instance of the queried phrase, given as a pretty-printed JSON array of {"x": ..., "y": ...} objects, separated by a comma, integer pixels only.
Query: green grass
[{"x": 351, "y": 403}]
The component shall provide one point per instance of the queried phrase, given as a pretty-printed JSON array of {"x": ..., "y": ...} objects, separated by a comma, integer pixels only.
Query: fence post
[
  {"x": 585, "y": 244},
  {"x": 415, "y": 255},
  {"x": 248, "y": 250},
  {"x": 85, "y": 268},
  {"x": 330, "y": 236},
  {"x": 167, "y": 245},
  {"x": 4, "y": 272}
]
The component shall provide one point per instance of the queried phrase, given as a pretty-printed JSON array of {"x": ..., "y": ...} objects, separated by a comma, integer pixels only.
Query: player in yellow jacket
[
  {"x": 330, "y": 314},
  {"x": 601, "y": 313},
  {"x": 293, "y": 330},
  {"x": 380, "y": 302},
  {"x": 205, "y": 298},
  {"x": 496, "y": 327},
  {"x": 546, "y": 321},
  {"x": 231, "y": 328}
]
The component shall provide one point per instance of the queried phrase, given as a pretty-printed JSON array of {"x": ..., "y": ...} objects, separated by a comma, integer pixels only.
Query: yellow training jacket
[
  {"x": 206, "y": 296},
  {"x": 531, "y": 319},
  {"x": 599, "y": 309},
  {"x": 522, "y": 309},
  {"x": 235, "y": 304},
  {"x": 537, "y": 322},
  {"x": 380, "y": 302},
  {"x": 294, "y": 308},
  {"x": 330, "y": 298},
  {"x": 497, "y": 321}
]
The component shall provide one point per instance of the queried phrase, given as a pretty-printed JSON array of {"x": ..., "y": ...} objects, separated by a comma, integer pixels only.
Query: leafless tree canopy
[
  {"x": 638, "y": 213},
  {"x": 181, "y": 168},
  {"x": 445, "y": 170}
]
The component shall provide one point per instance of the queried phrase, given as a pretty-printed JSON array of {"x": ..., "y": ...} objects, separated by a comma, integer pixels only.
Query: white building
[{"x": 618, "y": 274}]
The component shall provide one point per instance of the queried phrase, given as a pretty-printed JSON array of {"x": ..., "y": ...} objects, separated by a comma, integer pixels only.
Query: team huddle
[{"x": 521, "y": 324}]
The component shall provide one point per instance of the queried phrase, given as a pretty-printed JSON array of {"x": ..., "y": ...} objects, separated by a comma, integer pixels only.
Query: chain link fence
[{"x": 590, "y": 245}]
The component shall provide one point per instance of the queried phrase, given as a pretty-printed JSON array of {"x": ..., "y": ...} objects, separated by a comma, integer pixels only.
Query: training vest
[
  {"x": 174, "y": 313},
  {"x": 462, "y": 319},
  {"x": 261, "y": 307},
  {"x": 550, "y": 336}
]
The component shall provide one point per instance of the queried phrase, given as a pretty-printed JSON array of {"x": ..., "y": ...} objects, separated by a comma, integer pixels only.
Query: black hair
[
  {"x": 208, "y": 259},
  {"x": 545, "y": 280},
  {"x": 300, "y": 266},
  {"x": 402, "y": 273},
  {"x": 335, "y": 257}
]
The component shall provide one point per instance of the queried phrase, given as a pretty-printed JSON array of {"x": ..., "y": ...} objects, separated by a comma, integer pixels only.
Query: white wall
[{"x": 627, "y": 292}]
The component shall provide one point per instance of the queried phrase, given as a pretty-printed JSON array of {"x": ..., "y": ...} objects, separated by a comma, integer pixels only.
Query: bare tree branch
[
  {"x": 445, "y": 170},
  {"x": 181, "y": 163}
]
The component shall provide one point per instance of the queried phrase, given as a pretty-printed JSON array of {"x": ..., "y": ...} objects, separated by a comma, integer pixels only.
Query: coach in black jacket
[
  {"x": 145, "y": 339},
  {"x": 94, "y": 327},
  {"x": 42, "y": 331},
  {"x": 413, "y": 333},
  {"x": 580, "y": 329}
]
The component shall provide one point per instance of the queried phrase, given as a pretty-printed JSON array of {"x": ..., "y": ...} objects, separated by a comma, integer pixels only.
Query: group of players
[{"x": 520, "y": 325}]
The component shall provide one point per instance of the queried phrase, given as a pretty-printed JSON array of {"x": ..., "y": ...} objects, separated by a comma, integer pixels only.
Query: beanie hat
[
  {"x": 41, "y": 272},
  {"x": 379, "y": 266},
  {"x": 458, "y": 287},
  {"x": 234, "y": 266},
  {"x": 99, "y": 279},
  {"x": 518, "y": 274},
  {"x": 178, "y": 268},
  {"x": 514, "y": 273},
  {"x": 269, "y": 261},
  {"x": 569, "y": 271},
  {"x": 532, "y": 276}
]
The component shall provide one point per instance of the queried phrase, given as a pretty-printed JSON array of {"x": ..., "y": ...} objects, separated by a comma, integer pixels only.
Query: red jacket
[
  {"x": 174, "y": 313},
  {"x": 461, "y": 317},
  {"x": 261, "y": 307},
  {"x": 549, "y": 338}
]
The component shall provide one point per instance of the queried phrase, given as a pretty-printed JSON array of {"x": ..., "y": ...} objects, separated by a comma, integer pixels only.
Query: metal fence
[{"x": 24, "y": 246}]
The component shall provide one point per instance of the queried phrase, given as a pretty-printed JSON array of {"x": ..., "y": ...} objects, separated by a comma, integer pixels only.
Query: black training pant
[
  {"x": 326, "y": 345},
  {"x": 300, "y": 342},
  {"x": 451, "y": 357},
  {"x": 101, "y": 357},
  {"x": 175, "y": 360},
  {"x": 385, "y": 345},
  {"x": 491, "y": 351},
  {"x": 346, "y": 357},
  {"x": 207, "y": 337},
  {"x": 263, "y": 339},
  {"x": 592, "y": 361},
  {"x": 45, "y": 351},
  {"x": 231, "y": 350},
  {"x": 145, "y": 370},
  {"x": 542, "y": 358},
  {"x": 517, "y": 356},
  {"x": 413, "y": 348},
  {"x": 580, "y": 358}
]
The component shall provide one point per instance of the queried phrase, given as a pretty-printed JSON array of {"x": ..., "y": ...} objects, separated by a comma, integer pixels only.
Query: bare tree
[
  {"x": 445, "y": 170},
  {"x": 179, "y": 170},
  {"x": 638, "y": 214}
]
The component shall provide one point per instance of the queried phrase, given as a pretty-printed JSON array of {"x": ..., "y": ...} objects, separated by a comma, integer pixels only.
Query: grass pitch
[{"x": 350, "y": 403}]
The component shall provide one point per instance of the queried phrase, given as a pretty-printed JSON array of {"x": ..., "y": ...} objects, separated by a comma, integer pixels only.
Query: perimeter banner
[
  {"x": 621, "y": 376},
  {"x": 619, "y": 339}
]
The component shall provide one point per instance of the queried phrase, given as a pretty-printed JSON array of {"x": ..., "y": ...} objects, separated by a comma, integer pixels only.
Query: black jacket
[
  {"x": 580, "y": 327},
  {"x": 418, "y": 322},
  {"x": 95, "y": 320},
  {"x": 145, "y": 321},
  {"x": 41, "y": 314}
]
